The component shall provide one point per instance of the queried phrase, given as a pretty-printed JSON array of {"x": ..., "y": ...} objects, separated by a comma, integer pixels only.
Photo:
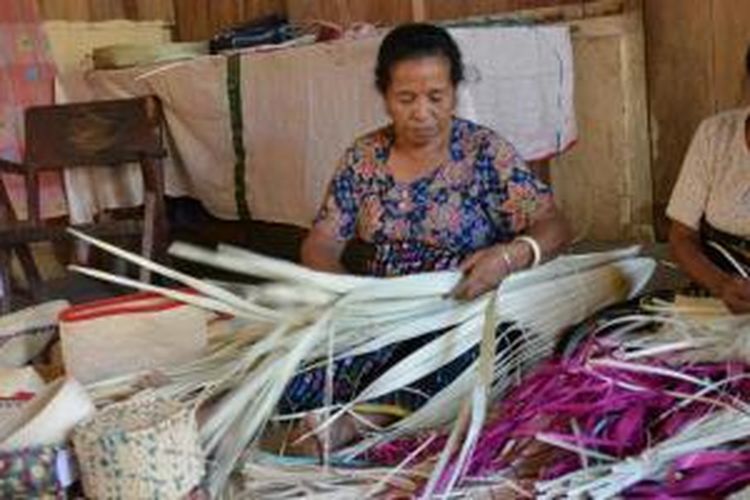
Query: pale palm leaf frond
[{"x": 304, "y": 309}]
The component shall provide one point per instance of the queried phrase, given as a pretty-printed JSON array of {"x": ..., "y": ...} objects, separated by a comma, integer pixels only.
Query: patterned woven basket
[{"x": 140, "y": 449}]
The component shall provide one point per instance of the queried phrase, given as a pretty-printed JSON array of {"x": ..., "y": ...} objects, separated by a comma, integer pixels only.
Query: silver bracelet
[
  {"x": 536, "y": 250},
  {"x": 508, "y": 262}
]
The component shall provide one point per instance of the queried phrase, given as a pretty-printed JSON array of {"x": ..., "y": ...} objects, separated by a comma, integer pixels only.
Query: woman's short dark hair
[{"x": 413, "y": 41}]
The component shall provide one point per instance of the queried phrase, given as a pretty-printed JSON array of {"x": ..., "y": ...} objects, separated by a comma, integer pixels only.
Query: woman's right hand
[{"x": 735, "y": 293}]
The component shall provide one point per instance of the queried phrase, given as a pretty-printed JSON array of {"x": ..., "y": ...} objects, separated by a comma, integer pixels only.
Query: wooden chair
[{"x": 102, "y": 134}]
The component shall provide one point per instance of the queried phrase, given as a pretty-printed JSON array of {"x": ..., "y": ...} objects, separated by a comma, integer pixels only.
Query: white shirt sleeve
[{"x": 690, "y": 194}]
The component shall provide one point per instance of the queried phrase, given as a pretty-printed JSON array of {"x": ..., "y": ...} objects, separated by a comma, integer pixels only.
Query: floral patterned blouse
[{"x": 484, "y": 194}]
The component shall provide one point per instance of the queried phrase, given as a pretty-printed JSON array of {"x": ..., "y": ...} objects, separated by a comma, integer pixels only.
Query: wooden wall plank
[
  {"x": 73, "y": 10},
  {"x": 223, "y": 13},
  {"x": 679, "y": 67},
  {"x": 638, "y": 182},
  {"x": 589, "y": 180},
  {"x": 345, "y": 12},
  {"x": 253, "y": 9},
  {"x": 101, "y": 10},
  {"x": 156, "y": 9},
  {"x": 455, "y": 9},
  {"x": 731, "y": 20},
  {"x": 392, "y": 11},
  {"x": 192, "y": 20},
  {"x": 201, "y": 19}
]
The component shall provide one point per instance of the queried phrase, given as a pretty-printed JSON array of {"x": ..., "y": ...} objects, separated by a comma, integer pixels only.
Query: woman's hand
[
  {"x": 685, "y": 244},
  {"x": 735, "y": 293},
  {"x": 484, "y": 270}
]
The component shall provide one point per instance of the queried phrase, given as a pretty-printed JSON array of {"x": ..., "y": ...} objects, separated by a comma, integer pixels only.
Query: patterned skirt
[{"x": 352, "y": 375}]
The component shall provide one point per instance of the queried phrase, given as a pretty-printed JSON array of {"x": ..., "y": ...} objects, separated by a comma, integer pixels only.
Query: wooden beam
[{"x": 418, "y": 12}]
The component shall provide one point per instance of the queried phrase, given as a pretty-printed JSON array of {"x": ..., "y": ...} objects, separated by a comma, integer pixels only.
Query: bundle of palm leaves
[{"x": 301, "y": 318}]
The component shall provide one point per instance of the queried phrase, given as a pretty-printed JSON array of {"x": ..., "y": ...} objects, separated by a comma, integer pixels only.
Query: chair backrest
[{"x": 99, "y": 133}]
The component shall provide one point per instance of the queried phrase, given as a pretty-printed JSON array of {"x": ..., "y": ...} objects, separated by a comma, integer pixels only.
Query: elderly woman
[
  {"x": 431, "y": 192},
  {"x": 710, "y": 208}
]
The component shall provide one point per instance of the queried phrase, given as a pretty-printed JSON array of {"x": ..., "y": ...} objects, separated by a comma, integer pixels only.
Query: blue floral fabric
[{"x": 483, "y": 195}]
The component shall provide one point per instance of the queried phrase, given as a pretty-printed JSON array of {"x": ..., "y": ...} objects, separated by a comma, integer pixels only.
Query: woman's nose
[{"x": 421, "y": 110}]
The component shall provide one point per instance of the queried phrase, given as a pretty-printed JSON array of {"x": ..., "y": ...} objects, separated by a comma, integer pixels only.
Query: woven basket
[
  {"x": 25, "y": 334},
  {"x": 140, "y": 449},
  {"x": 48, "y": 418},
  {"x": 130, "y": 333},
  {"x": 19, "y": 382}
]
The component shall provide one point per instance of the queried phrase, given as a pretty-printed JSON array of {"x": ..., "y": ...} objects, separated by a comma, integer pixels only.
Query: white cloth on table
[{"x": 302, "y": 107}]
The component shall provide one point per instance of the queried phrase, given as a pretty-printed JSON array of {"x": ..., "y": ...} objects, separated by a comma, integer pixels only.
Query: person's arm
[
  {"x": 687, "y": 206},
  {"x": 685, "y": 245},
  {"x": 336, "y": 221},
  {"x": 321, "y": 252},
  {"x": 485, "y": 269}
]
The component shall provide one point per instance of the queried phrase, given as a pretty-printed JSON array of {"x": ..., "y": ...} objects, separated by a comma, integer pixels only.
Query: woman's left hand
[{"x": 485, "y": 269}]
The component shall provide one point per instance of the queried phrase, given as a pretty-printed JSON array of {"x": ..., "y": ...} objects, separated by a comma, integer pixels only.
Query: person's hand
[
  {"x": 735, "y": 293},
  {"x": 485, "y": 269}
]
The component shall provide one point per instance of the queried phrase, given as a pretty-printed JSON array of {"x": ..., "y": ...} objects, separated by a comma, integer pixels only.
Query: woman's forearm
[
  {"x": 552, "y": 233},
  {"x": 321, "y": 253},
  {"x": 686, "y": 248}
]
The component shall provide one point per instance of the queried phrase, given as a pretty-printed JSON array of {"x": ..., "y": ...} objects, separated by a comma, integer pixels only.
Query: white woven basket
[
  {"x": 140, "y": 449},
  {"x": 48, "y": 418}
]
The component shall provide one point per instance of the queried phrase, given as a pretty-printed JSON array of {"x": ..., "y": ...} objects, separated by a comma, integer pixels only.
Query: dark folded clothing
[{"x": 263, "y": 31}]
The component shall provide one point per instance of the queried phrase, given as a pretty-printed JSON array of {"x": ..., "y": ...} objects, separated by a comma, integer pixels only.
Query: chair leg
[
  {"x": 30, "y": 270},
  {"x": 23, "y": 252},
  {"x": 7, "y": 216},
  {"x": 155, "y": 226},
  {"x": 5, "y": 289},
  {"x": 147, "y": 243}
]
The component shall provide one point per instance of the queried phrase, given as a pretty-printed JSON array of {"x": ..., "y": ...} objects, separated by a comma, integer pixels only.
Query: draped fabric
[{"x": 26, "y": 79}]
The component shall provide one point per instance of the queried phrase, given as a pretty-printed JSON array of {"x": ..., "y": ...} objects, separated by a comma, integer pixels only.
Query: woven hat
[
  {"x": 31, "y": 318},
  {"x": 49, "y": 418},
  {"x": 19, "y": 381},
  {"x": 26, "y": 333},
  {"x": 140, "y": 449}
]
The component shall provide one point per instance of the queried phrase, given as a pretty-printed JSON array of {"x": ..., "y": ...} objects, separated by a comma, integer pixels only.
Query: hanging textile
[{"x": 26, "y": 79}]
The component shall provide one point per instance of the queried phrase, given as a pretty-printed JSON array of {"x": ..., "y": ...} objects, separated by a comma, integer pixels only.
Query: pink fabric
[{"x": 26, "y": 79}]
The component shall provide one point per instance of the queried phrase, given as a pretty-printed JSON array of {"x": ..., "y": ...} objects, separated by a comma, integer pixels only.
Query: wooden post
[{"x": 418, "y": 13}]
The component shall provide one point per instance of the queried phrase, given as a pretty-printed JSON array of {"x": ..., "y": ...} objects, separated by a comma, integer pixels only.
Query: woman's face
[{"x": 420, "y": 100}]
